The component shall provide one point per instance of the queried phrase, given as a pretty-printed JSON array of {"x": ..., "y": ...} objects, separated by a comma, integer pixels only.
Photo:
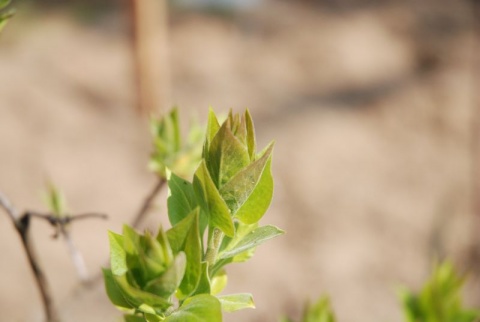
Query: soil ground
[{"x": 372, "y": 112}]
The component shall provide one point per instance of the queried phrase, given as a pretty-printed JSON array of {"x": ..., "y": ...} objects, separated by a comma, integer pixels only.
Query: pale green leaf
[
  {"x": 203, "y": 286},
  {"x": 226, "y": 156},
  {"x": 141, "y": 300},
  {"x": 219, "y": 282},
  {"x": 118, "y": 257},
  {"x": 235, "y": 302},
  {"x": 249, "y": 193},
  {"x": 166, "y": 284},
  {"x": 250, "y": 135},
  {"x": 113, "y": 291},
  {"x": 178, "y": 233},
  {"x": 212, "y": 128},
  {"x": 199, "y": 308},
  {"x": 133, "y": 318},
  {"x": 181, "y": 199},
  {"x": 4, "y": 3},
  {"x": 193, "y": 250},
  {"x": 320, "y": 311},
  {"x": 253, "y": 239},
  {"x": 211, "y": 202}
]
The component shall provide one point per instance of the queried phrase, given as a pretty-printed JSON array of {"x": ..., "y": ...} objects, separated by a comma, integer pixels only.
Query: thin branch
[
  {"x": 60, "y": 224},
  {"x": 7, "y": 206},
  {"x": 87, "y": 216},
  {"x": 55, "y": 220},
  {"x": 22, "y": 225},
  {"x": 147, "y": 204},
  {"x": 76, "y": 256}
]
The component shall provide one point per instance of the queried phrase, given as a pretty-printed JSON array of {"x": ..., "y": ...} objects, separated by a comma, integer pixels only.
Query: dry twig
[
  {"x": 22, "y": 225},
  {"x": 147, "y": 203}
]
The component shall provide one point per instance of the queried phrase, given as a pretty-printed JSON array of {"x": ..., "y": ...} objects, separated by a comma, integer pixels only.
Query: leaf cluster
[
  {"x": 214, "y": 222},
  {"x": 320, "y": 311},
  {"x": 170, "y": 151},
  {"x": 439, "y": 300}
]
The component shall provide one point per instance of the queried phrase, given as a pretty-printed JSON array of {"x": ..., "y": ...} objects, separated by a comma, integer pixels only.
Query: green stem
[{"x": 214, "y": 241}]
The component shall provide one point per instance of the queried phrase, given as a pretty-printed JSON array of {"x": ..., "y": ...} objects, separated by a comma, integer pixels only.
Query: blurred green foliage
[
  {"x": 440, "y": 299},
  {"x": 5, "y": 13}
]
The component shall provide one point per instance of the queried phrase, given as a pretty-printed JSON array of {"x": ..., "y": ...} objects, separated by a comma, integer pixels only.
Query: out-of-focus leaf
[
  {"x": 321, "y": 311},
  {"x": 4, "y": 3},
  {"x": 440, "y": 299},
  {"x": 169, "y": 150},
  {"x": 55, "y": 201}
]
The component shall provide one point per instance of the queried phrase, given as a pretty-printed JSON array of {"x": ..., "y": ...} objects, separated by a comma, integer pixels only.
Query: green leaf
[
  {"x": 167, "y": 142},
  {"x": 211, "y": 202},
  {"x": 249, "y": 193},
  {"x": 118, "y": 257},
  {"x": 4, "y": 3},
  {"x": 154, "y": 318},
  {"x": 285, "y": 319},
  {"x": 178, "y": 233},
  {"x": 440, "y": 299},
  {"x": 219, "y": 281},
  {"x": 319, "y": 312},
  {"x": 185, "y": 237},
  {"x": 55, "y": 201},
  {"x": 140, "y": 300},
  {"x": 203, "y": 286},
  {"x": 159, "y": 248},
  {"x": 226, "y": 156},
  {"x": 166, "y": 284},
  {"x": 181, "y": 199},
  {"x": 199, "y": 308},
  {"x": 133, "y": 318},
  {"x": 250, "y": 135},
  {"x": 235, "y": 302},
  {"x": 193, "y": 250},
  {"x": 113, "y": 291},
  {"x": 252, "y": 239},
  {"x": 212, "y": 128}
]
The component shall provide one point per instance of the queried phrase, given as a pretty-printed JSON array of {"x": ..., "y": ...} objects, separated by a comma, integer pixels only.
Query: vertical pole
[
  {"x": 474, "y": 251},
  {"x": 148, "y": 20}
]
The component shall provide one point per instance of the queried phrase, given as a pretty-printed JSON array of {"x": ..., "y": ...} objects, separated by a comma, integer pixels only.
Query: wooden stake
[{"x": 149, "y": 45}]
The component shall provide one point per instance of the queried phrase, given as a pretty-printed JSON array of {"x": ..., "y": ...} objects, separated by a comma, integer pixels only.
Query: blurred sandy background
[{"x": 372, "y": 105}]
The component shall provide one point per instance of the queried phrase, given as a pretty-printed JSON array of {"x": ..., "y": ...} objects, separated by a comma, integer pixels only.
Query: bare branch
[
  {"x": 147, "y": 204},
  {"x": 42, "y": 284},
  {"x": 60, "y": 224},
  {"x": 22, "y": 225},
  {"x": 76, "y": 255},
  {"x": 87, "y": 216}
]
